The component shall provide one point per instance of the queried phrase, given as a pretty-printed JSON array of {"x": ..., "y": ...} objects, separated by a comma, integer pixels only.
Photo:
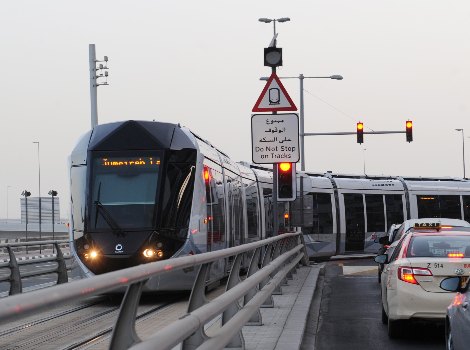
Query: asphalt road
[{"x": 350, "y": 313}]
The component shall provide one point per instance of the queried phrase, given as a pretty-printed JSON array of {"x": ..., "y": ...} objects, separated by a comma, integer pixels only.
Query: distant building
[{"x": 46, "y": 210}]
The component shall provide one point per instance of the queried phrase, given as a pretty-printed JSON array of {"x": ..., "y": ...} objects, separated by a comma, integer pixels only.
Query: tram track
[
  {"x": 107, "y": 331},
  {"x": 76, "y": 327},
  {"x": 51, "y": 317}
]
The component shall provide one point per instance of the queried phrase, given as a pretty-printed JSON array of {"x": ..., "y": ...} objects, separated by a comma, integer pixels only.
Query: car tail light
[
  {"x": 455, "y": 255},
  {"x": 407, "y": 274},
  {"x": 459, "y": 299}
]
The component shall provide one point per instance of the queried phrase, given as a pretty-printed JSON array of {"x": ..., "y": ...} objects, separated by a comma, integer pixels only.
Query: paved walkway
[{"x": 284, "y": 324}]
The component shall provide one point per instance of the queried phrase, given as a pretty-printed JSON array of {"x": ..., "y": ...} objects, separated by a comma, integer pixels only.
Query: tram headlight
[
  {"x": 160, "y": 253},
  {"x": 91, "y": 255},
  {"x": 149, "y": 253}
]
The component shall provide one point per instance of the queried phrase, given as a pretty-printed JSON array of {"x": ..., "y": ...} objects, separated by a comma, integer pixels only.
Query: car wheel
[
  {"x": 449, "y": 340},
  {"x": 384, "y": 316},
  {"x": 395, "y": 328}
]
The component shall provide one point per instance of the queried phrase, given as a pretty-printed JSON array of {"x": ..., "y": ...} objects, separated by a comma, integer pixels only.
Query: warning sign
[{"x": 274, "y": 97}]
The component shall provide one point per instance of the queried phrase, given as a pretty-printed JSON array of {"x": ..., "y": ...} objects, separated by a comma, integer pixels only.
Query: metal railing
[
  {"x": 16, "y": 276},
  {"x": 273, "y": 261}
]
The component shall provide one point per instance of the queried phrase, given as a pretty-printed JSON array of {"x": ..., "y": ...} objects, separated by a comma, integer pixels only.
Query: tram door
[{"x": 355, "y": 221}]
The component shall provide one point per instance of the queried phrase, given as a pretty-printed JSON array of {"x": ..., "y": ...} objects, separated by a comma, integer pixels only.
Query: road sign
[
  {"x": 275, "y": 138},
  {"x": 274, "y": 97}
]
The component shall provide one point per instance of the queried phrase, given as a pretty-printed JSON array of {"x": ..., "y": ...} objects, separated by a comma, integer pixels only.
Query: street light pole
[
  {"x": 39, "y": 177},
  {"x": 463, "y": 150},
  {"x": 364, "y": 149},
  {"x": 8, "y": 187}
]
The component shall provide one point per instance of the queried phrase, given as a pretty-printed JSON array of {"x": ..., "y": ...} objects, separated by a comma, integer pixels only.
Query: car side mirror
[
  {"x": 453, "y": 284},
  {"x": 384, "y": 240},
  {"x": 381, "y": 259}
]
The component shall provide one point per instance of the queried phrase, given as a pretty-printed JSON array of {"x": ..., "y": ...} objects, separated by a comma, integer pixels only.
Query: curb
[
  {"x": 293, "y": 332},
  {"x": 353, "y": 256}
]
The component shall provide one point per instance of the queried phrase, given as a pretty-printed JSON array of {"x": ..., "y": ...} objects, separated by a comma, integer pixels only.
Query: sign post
[{"x": 274, "y": 137}]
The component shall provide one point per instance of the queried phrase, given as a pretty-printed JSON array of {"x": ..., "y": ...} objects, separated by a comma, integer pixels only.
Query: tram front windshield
[{"x": 124, "y": 192}]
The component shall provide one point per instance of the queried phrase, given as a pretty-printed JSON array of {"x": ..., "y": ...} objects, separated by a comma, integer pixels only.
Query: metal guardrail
[
  {"x": 15, "y": 277},
  {"x": 273, "y": 261}
]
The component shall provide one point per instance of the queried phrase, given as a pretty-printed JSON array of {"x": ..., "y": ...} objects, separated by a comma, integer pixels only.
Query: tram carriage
[{"x": 144, "y": 191}]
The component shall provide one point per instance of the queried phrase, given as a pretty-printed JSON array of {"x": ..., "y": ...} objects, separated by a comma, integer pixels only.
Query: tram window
[
  {"x": 318, "y": 213},
  {"x": 215, "y": 207},
  {"x": 235, "y": 208},
  {"x": 322, "y": 213},
  {"x": 432, "y": 206},
  {"x": 77, "y": 194},
  {"x": 450, "y": 207},
  {"x": 466, "y": 208},
  {"x": 394, "y": 208},
  {"x": 375, "y": 213},
  {"x": 355, "y": 223},
  {"x": 268, "y": 211},
  {"x": 251, "y": 193}
]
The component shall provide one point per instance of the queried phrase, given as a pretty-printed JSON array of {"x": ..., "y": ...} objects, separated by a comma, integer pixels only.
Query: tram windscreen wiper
[{"x": 107, "y": 217}]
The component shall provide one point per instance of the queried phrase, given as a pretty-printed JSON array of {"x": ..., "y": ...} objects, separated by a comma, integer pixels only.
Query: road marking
[{"x": 359, "y": 270}]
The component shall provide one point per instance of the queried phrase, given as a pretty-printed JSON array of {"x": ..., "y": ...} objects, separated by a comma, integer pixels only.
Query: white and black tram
[{"x": 144, "y": 191}]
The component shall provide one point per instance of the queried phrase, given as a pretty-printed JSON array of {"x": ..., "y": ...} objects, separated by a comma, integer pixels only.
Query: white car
[{"x": 411, "y": 280}]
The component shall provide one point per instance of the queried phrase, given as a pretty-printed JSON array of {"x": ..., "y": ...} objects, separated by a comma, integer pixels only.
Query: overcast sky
[{"x": 198, "y": 63}]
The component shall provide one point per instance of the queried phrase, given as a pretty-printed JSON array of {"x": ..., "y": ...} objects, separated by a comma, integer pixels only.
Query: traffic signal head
[
  {"x": 409, "y": 131},
  {"x": 360, "y": 132},
  {"x": 286, "y": 190},
  {"x": 272, "y": 56}
]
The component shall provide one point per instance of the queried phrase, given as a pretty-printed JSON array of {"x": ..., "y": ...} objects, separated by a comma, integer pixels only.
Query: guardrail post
[
  {"x": 16, "y": 286},
  {"x": 290, "y": 245},
  {"x": 269, "y": 302},
  {"x": 237, "y": 342},
  {"x": 124, "y": 334},
  {"x": 62, "y": 276},
  {"x": 305, "y": 259},
  {"x": 276, "y": 253},
  {"x": 255, "y": 320},
  {"x": 196, "y": 300}
]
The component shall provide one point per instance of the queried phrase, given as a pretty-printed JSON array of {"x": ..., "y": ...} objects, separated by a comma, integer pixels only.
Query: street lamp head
[
  {"x": 283, "y": 19},
  {"x": 264, "y": 78},
  {"x": 458, "y": 129},
  {"x": 336, "y": 77},
  {"x": 265, "y": 20}
]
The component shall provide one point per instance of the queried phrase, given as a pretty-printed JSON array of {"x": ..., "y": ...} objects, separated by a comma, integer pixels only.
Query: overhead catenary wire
[{"x": 335, "y": 108}]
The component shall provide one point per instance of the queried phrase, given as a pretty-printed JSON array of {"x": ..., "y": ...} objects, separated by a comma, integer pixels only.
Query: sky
[{"x": 198, "y": 63}]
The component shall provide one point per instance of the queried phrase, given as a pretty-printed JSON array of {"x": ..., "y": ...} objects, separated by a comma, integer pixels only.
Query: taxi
[{"x": 411, "y": 280}]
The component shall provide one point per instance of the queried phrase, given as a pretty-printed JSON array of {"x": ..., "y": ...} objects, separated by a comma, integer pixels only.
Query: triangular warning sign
[{"x": 274, "y": 97}]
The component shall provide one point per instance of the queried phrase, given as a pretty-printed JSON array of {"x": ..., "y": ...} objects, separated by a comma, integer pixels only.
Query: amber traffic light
[
  {"x": 409, "y": 131},
  {"x": 286, "y": 190},
  {"x": 360, "y": 132}
]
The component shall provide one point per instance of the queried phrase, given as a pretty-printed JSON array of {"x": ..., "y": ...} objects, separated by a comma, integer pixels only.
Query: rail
[
  {"x": 272, "y": 263},
  {"x": 16, "y": 276}
]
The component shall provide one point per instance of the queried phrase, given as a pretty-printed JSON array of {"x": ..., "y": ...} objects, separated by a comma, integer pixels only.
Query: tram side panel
[{"x": 367, "y": 208}]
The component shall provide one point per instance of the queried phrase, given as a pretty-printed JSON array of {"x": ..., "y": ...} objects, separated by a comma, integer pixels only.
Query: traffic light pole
[
  {"x": 351, "y": 133},
  {"x": 275, "y": 194}
]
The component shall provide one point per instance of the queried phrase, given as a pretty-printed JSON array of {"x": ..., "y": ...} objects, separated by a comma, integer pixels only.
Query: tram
[{"x": 144, "y": 191}]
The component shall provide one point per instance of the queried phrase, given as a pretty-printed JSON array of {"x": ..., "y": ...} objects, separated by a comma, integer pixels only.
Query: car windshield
[{"x": 439, "y": 246}]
